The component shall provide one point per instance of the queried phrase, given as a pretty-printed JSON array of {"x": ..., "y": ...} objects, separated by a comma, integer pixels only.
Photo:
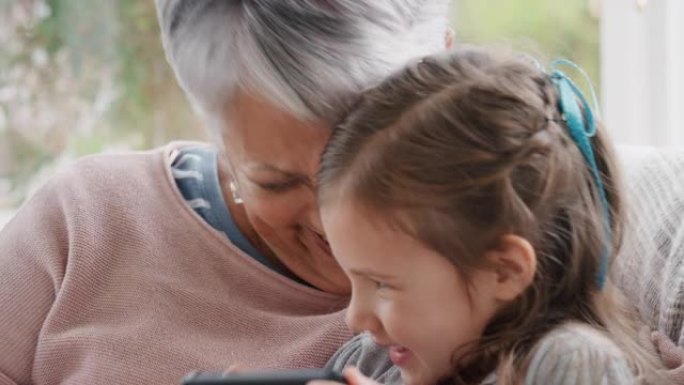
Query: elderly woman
[{"x": 140, "y": 267}]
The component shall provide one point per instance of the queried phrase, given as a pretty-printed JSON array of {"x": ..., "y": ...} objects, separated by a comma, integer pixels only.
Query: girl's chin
[
  {"x": 412, "y": 377},
  {"x": 409, "y": 379}
]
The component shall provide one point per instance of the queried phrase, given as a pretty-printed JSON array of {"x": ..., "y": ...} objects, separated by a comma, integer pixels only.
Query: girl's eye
[{"x": 380, "y": 285}]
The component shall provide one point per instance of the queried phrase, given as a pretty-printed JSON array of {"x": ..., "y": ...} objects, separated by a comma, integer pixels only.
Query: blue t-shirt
[{"x": 195, "y": 171}]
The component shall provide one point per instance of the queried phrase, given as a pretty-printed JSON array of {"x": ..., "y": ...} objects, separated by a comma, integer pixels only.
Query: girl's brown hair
[{"x": 460, "y": 149}]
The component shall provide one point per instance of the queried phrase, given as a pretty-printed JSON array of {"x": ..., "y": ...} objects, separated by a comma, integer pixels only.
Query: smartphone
[{"x": 266, "y": 377}]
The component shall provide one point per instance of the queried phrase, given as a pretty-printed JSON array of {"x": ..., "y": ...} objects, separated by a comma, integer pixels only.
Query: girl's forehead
[{"x": 358, "y": 231}]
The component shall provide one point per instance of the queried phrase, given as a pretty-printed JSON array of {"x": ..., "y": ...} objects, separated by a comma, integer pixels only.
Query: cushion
[{"x": 650, "y": 265}]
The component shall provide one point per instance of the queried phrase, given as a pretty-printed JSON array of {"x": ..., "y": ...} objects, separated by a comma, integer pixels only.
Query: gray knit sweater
[{"x": 571, "y": 354}]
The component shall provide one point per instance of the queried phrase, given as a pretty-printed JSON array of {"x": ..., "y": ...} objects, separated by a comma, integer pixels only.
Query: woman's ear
[
  {"x": 449, "y": 38},
  {"x": 515, "y": 264}
]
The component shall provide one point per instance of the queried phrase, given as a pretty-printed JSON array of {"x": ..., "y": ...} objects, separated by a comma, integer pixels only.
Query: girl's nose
[{"x": 360, "y": 317}]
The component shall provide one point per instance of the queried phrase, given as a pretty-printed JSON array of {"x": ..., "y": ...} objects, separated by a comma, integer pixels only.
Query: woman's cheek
[{"x": 276, "y": 210}]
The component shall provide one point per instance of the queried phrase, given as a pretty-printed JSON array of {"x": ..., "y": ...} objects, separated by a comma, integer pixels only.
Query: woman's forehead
[{"x": 268, "y": 139}]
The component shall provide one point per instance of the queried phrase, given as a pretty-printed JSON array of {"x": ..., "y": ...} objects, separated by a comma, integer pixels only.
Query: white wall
[{"x": 642, "y": 70}]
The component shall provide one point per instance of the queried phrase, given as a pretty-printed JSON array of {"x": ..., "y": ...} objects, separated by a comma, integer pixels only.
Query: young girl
[{"x": 475, "y": 207}]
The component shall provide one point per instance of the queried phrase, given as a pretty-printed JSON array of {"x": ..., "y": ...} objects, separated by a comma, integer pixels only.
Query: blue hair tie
[{"x": 582, "y": 128}]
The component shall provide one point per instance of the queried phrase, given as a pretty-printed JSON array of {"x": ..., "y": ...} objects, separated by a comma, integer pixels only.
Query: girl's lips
[{"x": 399, "y": 355}]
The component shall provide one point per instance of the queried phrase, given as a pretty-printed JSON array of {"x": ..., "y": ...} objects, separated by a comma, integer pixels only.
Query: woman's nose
[
  {"x": 315, "y": 219},
  {"x": 312, "y": 213}
]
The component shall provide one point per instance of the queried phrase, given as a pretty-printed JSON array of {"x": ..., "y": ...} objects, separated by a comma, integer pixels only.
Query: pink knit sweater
[{"x": 108, "y": 277}]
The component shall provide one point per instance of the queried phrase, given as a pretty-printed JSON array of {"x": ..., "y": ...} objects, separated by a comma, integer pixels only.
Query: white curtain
[{"x": 642, "y": 70}]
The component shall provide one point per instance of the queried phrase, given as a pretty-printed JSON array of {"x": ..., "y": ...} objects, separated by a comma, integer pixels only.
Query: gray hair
[{"x": 309, "y": 57}]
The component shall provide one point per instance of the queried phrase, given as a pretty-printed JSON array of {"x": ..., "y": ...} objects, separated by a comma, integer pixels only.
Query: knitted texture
[
  {"x": 108, "y": 277},
  {"x": 650, "y": 266}
]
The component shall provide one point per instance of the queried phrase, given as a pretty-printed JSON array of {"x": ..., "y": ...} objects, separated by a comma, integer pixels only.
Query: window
[
  {"x": 642, "y": 60},
  {"x": 80, "y": 77},
  {"x": 86, "y": 76}
]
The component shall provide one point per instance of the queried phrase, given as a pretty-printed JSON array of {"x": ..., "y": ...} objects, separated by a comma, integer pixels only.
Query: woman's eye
[
  {"x": 277, "y": 187},
  {"x": 380, "y": 285}
]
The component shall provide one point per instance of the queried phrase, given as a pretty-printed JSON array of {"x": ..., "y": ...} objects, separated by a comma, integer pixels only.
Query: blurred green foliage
[
  {"x": 85, "y": 76},
  {"x": 80, "y": 77},
  {"x": 548, "y": 29}
]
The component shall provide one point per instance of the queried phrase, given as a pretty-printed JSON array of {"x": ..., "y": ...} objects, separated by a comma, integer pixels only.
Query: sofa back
[{"x": 650, "y": 265}]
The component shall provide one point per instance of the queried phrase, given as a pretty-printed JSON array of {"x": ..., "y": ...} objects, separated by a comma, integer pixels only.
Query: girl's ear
[{"x": 515, "y": 264}]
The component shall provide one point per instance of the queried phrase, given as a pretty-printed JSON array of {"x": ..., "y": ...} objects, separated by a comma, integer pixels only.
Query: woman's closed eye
[{"x": 277, "y": 187}]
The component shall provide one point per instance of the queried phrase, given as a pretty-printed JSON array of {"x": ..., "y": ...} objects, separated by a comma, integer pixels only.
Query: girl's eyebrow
[{"x": 370, "y": 273}]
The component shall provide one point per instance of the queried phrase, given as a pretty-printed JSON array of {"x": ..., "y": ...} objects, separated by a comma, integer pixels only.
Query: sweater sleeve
[
  {"x": 577, "y": 356},
  {"x": 33, "y": 251},
  {"x": 372, "y": 360}
]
